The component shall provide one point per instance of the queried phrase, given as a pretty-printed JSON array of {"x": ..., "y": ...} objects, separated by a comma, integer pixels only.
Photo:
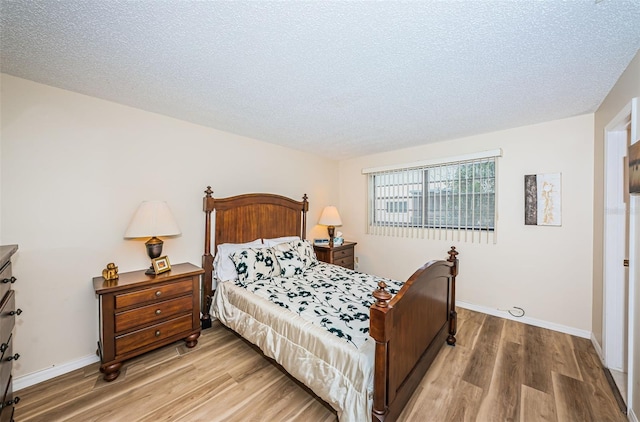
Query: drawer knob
[
  {"x": 8, "y": 403},
  {"x": 9, "y": 280},
  {"x": 16, "y": 312},
  {"x": 3, "y": 347},
  {"x": 158, "y": 293},
  {"x": 14, "y": 357},
  {"x": 157, "y": 333},
  {"x": 158, "y": 311}
]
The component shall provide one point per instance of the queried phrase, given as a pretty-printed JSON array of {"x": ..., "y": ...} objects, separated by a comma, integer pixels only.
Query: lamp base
[
  {"x": 331, "y": 230},
  {"x": 154, "y": 250}
]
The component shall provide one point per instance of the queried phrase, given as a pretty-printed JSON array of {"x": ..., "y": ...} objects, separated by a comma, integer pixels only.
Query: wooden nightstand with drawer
[
  {"x": 342, "y": 255},
  {"x": 139, "y": 313}
]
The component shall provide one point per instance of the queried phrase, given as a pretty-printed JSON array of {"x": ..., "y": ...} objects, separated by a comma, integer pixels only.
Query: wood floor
[{"x": 500, "y": 370}]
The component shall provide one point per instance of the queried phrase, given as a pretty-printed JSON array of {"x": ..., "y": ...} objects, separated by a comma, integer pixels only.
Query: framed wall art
[{"x": 543, "y": 199}]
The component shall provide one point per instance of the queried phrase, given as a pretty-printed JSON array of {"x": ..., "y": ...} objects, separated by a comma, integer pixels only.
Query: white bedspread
[{"x": 334, "y": 369}]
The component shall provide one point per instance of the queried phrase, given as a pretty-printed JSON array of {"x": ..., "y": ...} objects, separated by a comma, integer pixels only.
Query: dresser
[
  {"x": 8, "y": 314},
  {"x": 140, "y": 312},
  {"x": 343, "y": 255}
]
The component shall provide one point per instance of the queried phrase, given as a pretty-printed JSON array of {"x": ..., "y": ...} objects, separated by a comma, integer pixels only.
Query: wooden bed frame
[{"x": 409, "y": 329}]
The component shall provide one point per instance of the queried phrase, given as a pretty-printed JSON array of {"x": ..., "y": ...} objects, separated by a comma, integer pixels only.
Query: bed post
[
  {"x": 380, "y": 329},
  {"x": 305, "y": 208},
  {"x": 453, "y": 315},
  {"x": 207, "y": 260}
]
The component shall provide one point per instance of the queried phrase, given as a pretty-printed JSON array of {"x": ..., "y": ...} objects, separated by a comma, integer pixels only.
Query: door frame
[
  {"x": 614, "y": 250},
  {"x": 615, "y": 147}
]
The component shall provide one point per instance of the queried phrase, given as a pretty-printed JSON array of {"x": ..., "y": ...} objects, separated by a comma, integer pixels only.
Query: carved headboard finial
[
  {"x": 382, "y": 295},
  {"x": 209, "y": 192}
]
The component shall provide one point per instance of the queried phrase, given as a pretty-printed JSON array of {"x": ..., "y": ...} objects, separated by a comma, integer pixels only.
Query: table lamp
[
  {"x": 330, "y": 218},
  {"x": 152, "y": 219}
]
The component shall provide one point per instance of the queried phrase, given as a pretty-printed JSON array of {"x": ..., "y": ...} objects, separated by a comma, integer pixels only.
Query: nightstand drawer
[
  {"x": 156, "y": 312},
  {"x": 346, "y": 262},
  {"x": 342, "y": 254},
  {"x": 154, "y": 293},
  {"x": 146, "y": 336}
]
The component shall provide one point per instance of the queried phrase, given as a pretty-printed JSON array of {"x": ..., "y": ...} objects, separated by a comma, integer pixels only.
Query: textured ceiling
[{"x": 340, "y": 79}]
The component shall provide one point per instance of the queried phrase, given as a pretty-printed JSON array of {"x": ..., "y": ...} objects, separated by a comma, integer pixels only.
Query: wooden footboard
[{"x": 409, "y": 330}]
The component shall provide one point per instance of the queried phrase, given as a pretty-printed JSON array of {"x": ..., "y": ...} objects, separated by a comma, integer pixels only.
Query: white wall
[
  {"x": 74, "y": 168},
  {"x": 544, "y": 270}
]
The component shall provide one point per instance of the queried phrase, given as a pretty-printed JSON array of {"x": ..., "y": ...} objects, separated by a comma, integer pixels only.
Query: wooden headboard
[{"x": 243, "y": 218}]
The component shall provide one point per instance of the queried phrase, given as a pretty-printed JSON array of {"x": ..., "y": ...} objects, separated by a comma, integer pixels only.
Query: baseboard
[
  {"x": 526, "y": 320},
  {"x": 598, "y": 348},
  {"x": 46, "y": 374}
]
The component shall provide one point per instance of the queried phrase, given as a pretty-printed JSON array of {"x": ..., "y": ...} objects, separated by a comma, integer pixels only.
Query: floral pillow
[
  {"x": 255, "y": 264},
  {"x": 290, "y": 262},
  {"x": 304, "y": 250}
]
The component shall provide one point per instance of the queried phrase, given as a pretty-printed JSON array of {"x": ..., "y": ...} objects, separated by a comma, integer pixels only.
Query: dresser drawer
[
  {"x": 140, "y": 338},
  {"x": 6, "y": 361},
  {"x": 155, "y": 312},
  {"x": 7, "y": 315},
  {"x": 5, "y": 279},
  {"x": 154, "y": 293}
]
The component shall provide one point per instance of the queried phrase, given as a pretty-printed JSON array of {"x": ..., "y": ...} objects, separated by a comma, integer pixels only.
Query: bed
[{"x": 406, "y": 325}]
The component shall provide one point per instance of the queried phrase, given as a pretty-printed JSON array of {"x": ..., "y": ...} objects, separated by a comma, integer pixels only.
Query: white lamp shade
[
  {"x": 152, "y": 218},
  {"x": 330, "y": 217}
]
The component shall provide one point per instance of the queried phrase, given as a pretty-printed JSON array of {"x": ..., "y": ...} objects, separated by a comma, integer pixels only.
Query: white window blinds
[{"x": 446, "y": 199}]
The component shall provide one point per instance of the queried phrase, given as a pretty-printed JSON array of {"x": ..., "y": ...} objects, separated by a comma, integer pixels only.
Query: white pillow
[
  {"x": 223, "y": 267},
  {"x": 277, "y": 240}
]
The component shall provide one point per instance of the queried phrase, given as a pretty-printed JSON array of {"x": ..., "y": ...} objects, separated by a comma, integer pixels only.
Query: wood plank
[
  {"x": 572, "y": 399},
  {"x": 465, "y": 408},
  {"x": 480, "y": 367},
  {"x": 438, "y": 388},
  {"x": 564, "y": 360},
  {"x": 503, "y": 398},
  {"x": 469, "y": 325},
  {"x": 513, "y": 332},
  {"x": 239, "y": 398},
  {"x": 537, "y": 371},
  {"x": 536, "y": 406},
  {"x": 605, "y": 406}
]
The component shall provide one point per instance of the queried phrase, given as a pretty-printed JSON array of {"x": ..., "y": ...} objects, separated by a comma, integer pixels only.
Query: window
[{"x": 429, "y": 198}]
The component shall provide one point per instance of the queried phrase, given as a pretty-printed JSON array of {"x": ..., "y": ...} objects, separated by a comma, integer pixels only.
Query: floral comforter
[{"x": 334, "y": 298}]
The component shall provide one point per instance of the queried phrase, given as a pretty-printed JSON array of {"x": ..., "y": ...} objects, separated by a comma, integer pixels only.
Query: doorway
[{"x": 616, "y": 305}]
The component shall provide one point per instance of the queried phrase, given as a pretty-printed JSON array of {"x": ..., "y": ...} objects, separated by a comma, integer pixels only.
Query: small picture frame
[{"x": 161, "y": 264}]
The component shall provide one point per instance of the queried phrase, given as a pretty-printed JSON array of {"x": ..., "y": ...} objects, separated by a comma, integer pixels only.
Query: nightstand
[
  {"x": 342, "y": 255},
  {"x": 139, "y": 313}
]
